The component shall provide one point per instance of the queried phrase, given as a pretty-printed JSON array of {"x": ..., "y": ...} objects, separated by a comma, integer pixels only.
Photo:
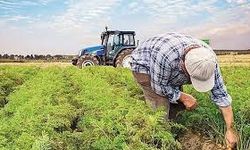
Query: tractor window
[
  {"x": 104, "y": 39},
  {"x": 120, "y": 36},
  {"x": 110, "y": 43},
  {"x": 128, "y": 39},
  {"x": 116, "y": 40},
  {"x": 113, "y": 41}
]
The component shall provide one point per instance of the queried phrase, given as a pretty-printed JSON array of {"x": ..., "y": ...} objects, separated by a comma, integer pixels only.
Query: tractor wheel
[
  {"x": 87, "y": 60},
  {"x": 124, "y": 59}
]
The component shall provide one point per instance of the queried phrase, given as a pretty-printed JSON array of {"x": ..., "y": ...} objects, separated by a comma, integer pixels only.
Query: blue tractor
[{"x": 115, "y": 50}]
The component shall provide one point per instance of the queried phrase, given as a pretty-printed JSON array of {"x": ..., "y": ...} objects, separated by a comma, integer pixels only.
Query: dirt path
[{"x": 194, "y": 141}]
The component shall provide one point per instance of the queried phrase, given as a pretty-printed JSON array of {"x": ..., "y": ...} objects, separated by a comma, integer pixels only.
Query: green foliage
[
  {"x": 207, "y": 117},
  {"x": 11, "y": 78},
  {"x": 92, "y": 108},
  {"x": 42, "y": 143},
  {"x": 101, "y": 108}
]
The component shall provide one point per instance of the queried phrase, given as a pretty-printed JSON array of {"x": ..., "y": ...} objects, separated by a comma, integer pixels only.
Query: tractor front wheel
[
  {"x": 87, "y": 60},
  {"x": 124, "y": 59}
]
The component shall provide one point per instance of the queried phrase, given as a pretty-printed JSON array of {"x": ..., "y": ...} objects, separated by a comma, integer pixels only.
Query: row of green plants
[
  {"x": 11, "y": 78},
  {"x": 207, "y": 118},
  {"x": 102, "y": 108},
  {"x": 92, "y": 108}
]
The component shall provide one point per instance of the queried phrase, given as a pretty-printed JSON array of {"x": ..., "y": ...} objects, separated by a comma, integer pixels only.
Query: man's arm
[
  {"x": 219, "y": 94},
  {"x": 228, "y": 116},
  {"x": 230, "y": 136},
  {"x": 223, "y": 100}
]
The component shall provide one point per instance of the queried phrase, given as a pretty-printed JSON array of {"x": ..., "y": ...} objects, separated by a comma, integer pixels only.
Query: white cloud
[
  {"x": 237, "y": 1},
  {"x": 80, "y": 14},
  {"x": 133, "y": 5},
  {"x": 22, "y": 3},
  {"x": 81, "y": 23},
  {"x": 45, "y": 2},
  {"x": 226, "y": 28},
  {"x": 4, "y": 2},
  {"x": 18, "y": 18},
  {"x": 13, "y": 10}
]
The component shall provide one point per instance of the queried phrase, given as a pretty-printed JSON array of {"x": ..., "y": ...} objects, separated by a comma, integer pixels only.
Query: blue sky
[{"x": 64, "y": 27}]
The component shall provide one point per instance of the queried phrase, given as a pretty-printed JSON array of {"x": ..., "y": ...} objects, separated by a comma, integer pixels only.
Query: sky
[{"x": 66, "y": 26}]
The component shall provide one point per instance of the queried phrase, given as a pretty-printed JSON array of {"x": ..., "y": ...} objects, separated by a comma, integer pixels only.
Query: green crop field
[{"x": 103, "y": 108}]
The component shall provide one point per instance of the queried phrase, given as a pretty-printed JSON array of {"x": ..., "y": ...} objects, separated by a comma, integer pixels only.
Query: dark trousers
[{"x": 155, "y": 100}]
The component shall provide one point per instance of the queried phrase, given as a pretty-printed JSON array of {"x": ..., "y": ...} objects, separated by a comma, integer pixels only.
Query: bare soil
[{"x": 195, "y": 141}]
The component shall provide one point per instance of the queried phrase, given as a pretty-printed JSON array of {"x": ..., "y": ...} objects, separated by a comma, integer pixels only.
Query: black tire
[
  {"x": 87, "y": 60},
  {"x": 122, "y": 57}
]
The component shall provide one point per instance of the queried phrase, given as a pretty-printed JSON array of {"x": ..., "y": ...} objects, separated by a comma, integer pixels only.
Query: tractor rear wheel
[
  {"x": 124, "y": 59},
  {"x": 87, "y": 60}
]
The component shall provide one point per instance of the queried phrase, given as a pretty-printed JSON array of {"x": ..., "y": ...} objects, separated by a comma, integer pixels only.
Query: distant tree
[
  {"x": 27, "y": 57},
  {"x": 16, "y": 57},
  {"x": 5, "y": 56},
  {"x": 48, "y": 57},
  {"x": 21, "y": 56},
  {"x": 57, "y": 57},
  {"x": 41, "y": 57},
  {"x": 36, "y": 57},
  {"x": 12, "y": 56}
]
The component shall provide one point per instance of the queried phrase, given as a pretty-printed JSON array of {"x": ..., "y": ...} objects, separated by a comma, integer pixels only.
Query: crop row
[
  {"x": 11, "y": 78},
  {"x": 101, "y": 108},
  {"x": 92, "y": 108}
]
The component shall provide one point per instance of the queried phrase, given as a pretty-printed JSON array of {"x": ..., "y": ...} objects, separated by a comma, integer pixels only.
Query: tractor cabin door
[{"x": 113, "y": 45}]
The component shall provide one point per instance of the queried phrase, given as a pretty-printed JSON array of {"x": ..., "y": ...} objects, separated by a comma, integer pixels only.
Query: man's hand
[
  {"x": 231, "y": 138},
  {"x": 188, "y": 100}
]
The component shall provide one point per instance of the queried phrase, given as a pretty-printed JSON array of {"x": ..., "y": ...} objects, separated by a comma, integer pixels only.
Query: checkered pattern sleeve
[
  {"x": 160, "y": 72},
  {"x": 219, "y": 92}
]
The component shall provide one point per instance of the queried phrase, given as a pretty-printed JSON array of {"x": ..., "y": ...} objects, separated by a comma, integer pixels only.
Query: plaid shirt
[{"x": 162, "y": 57}]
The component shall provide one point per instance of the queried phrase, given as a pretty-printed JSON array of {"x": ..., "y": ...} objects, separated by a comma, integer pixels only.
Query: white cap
[{"x": 201, "y": 64}]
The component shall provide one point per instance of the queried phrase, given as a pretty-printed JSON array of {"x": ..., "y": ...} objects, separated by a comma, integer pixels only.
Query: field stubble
[{"x": 234, "y": 60}]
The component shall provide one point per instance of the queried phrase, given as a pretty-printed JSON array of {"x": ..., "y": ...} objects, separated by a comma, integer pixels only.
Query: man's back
[
  {"x": 169, "y": 47},
  {"x": 162, "y": 58}
]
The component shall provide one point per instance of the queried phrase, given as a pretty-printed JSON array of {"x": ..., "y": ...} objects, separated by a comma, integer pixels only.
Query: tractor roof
[{"x": 118, "y": 32}]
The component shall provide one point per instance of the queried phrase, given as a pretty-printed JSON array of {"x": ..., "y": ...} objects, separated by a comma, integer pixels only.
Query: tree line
[{"x": 35, "y": 57}]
